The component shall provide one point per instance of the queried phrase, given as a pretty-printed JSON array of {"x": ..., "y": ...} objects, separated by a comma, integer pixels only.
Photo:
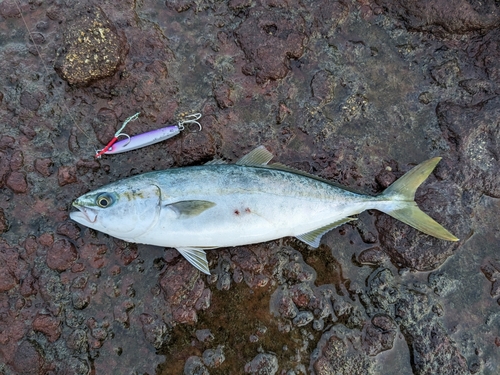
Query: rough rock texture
[
  {"x": 357, "y": 92},
  {"x": 455, "y": 16},
  {"x": 93, "y": 48},
  {"x": 269, "y": 38}
]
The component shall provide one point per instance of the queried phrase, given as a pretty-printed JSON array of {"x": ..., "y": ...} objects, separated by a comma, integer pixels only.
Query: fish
[{"x": 199, "y": 208}]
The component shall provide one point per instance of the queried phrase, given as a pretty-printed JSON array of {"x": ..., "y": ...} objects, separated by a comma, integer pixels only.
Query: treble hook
[
  {"x": 117, "y": 134},
  {"x": 191, "y": 119}
]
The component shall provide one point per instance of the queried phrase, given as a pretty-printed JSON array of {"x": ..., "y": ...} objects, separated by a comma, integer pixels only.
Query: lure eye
[{"x": 104, "y": 200}]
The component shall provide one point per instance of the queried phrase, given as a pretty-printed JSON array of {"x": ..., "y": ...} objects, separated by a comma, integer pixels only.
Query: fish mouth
[{"x": 83, "y": 212}]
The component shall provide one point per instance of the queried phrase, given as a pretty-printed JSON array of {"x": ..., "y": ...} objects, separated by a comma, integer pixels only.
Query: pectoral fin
[
  {"x": 196, "y": 256},
  {"x": 313, "y": 238},
  {"x": 186, "y": 209}
]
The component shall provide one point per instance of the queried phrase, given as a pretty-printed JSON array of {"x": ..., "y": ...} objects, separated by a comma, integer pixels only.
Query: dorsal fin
[{"x": 257, "y": 157}]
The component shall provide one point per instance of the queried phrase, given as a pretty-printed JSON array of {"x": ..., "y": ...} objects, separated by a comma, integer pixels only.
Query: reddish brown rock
[
  {"x": 66, "y": 175},
  {"x": 183, "y": 287},
  {"x": 30, "y": 101},
  {"x": 43, "y": 166},
  {"x": 8, "y": 9},
  {"x": 222, "y": 94},
  {"x": 28, "y": 132},
  {"x": 16, "y": 160},
  {"x": 127, "y": 254},
  {"x": 48, "y": 325},
  {"x": 28, "y": 359},
  {"x": 77, "y": 267},
  {"x": 158, "y": 68},
  {"x": 83, "y": 166},
  {"x": 105, "y": 133},
  {"x": 7, "y": 280},
  {"x": 30, "y": 246},
  {"x": 322, "y": 86},
  {"x": 95, "y": 255},
  {"x": 69, "y": 229},
  {"x": 379, "y": 334},
  {"x": 61, "y": 255},
  {"x": 269, "y": 40},
  {"x": 16, "y": 181},
  {"x": 46, "y": 239},
  {"x": 12, "y": 268},
  {"x": 28, "y": 287},
  {"x": 6, "y": 142}
]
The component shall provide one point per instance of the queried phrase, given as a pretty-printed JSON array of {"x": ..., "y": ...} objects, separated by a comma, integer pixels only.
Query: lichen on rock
[{"x": 93, "y": 49}]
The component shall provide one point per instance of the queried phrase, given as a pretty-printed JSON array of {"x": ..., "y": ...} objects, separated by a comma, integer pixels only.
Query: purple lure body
[{"x": 142, "y": 140}]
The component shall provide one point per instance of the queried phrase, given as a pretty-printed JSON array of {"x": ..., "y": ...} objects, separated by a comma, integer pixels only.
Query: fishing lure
[{"x": 146, "y": 139}]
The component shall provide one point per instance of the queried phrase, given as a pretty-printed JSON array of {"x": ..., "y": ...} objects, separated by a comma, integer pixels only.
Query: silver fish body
[{"x": 197, "y": 208}]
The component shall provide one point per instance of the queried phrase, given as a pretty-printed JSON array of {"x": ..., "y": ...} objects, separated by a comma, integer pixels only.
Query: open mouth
[{"x": 86, "y": 213}]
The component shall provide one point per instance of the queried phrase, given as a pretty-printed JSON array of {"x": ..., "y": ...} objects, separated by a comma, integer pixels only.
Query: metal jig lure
[{"x": 148, "y": 138}]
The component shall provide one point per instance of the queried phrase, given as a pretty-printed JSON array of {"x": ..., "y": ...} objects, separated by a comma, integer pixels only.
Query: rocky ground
[{"x": 354, "y": 91}]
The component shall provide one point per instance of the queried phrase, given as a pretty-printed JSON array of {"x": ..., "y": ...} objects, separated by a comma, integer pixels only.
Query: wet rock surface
[{"x": 357, "y": 92}]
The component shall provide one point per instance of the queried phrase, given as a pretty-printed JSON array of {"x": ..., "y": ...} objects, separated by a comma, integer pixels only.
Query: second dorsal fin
[{"x": 257, "y": 157}]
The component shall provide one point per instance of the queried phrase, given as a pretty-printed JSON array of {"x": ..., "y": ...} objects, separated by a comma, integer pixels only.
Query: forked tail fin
[{"x": 402, "y": 193}]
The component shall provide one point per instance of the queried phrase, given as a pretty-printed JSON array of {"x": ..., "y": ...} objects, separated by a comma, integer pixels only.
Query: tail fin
[{"x": 407, "y": 211}]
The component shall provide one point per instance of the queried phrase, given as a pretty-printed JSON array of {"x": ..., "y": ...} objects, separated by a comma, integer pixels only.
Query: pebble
[
  {"x": 16, "y": 181},
  {"x": 263, "y": 364},
  {"x": 17, "y": 160},
  {"x": 61, "y": 255},
  {"x": 194, "y": 366},
  {"x": 155, "y": 330},
  {"x": 69, "y": 229},
  {"x": 303, "y": 318},
  {"x": 46, "y": 239},
  {"x": 214, "y": 357},
  {"x": 203, "y": 302},
  {"x": 204, "y": 335},
  {"x": 43, "y": 166},
  {"x": 66, "y": 175},
  {"x": 318, "y": 324},
  {"x": 28, "y": 359},
  {"x": 48, "y": 325},
  {"x": 6, "y": 142}
]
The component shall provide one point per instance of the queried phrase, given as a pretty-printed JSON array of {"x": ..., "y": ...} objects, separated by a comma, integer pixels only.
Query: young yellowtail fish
[{"x": 194, "y": 209}]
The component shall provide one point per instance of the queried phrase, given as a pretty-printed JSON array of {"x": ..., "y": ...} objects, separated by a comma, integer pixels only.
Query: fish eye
[{"x": 104, "y": 200}]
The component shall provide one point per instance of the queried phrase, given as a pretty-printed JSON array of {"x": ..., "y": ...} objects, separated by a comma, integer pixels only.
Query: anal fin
[
  {"x": 196, "y": 256},
  {"x": 313, "y": 238}
]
